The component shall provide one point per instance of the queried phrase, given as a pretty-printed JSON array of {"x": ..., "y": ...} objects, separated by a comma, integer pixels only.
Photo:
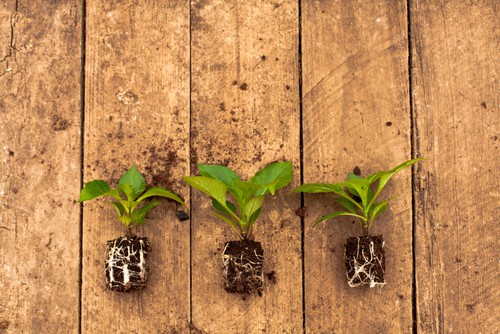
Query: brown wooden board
[
  {"x": 40, "y": 66},
  {"x": 356, "y": 112},
  {"x": 455, "y": 101},
  {"x": 245, "y": 113},
  {"x": 137, "y": 112}
]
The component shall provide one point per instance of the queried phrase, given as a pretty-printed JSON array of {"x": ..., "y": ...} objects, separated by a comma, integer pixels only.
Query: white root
[
  {"x": 364, "y": 271},
  {"x": 121, "y": 259},
  {"x": 248, "y": 275}
]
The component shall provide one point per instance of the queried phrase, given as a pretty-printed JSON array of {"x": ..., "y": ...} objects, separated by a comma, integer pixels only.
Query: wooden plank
[
  {"x": 40, "y": 66},
  {"x": 245, "y": 113},
  {"x": 455, "y": 94},
  {"x": 356, "y": 113},
  {"x": 137, "y": 112}
]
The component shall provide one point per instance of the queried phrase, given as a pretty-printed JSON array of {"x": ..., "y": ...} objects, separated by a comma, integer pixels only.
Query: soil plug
[
  {"x": 364, "y": 256},
  {"x": 242, "y": 259},
  {"x": 126, "y": 267}
]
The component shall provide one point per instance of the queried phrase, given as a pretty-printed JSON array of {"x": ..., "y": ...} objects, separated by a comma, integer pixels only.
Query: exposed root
[
  {"x": 365, "y": 264},
  {"x": 126, "y": 267},
  {"x": 243, "y": 271}
]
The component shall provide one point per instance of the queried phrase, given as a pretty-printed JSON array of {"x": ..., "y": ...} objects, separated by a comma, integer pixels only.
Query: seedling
[
  {"x": 242, "y": 259},
  {"x": 126, "y": 267},
  {"x": 358, "y": 196}
]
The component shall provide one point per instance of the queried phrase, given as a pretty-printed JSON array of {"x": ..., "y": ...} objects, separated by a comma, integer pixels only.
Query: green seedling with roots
[
  {"x": 216, "y": 181},
  {"x": 358, "y": 195},
  {"x": 129, "y": 198}
]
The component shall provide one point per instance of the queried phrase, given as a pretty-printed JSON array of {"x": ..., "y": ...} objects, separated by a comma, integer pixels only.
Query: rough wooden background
[{"x": 89, "y": 88}]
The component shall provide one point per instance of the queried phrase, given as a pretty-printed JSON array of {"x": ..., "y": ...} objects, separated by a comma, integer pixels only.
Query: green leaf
[
  {"x": 132, "y": 183},
  {"x": 243, "y": 190},
  {"x": 221, "y": 173},
  {"x": 358, "y": 187},
  {"x": 386, "y": 176},
  {"x": 337, "y": 214},
  {"x": 217, "y": 206},
  {"x": 346, "y": 204},
  {"x": 139, "y": 216},
  {"x": 212, "y": 187},
  {"x": 319, "y": 188},
  {"x": 94, "y": 189},
  {"x": 118, "y": 207},
  {"x": 273, "y": 177},
  {"x": 352, "y": 176},
  {"x": 253, "y": 218},
  {"x": 125, "y": 220},
  {"x": 230, "y": 223},
  {"x": 377, "y": 209},
  {"x": 158, "y": 191},
  {"x": 254, "y": 204}
]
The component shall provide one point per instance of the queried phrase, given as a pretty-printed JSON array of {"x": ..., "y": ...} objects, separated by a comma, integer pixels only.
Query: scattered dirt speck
[
  {"x": 356, "y": 171},
  {"x": 127, "y": 97},
  {"x": 276, "y": 5},
  {"x": 234, "y": 83},
  {"x": 263, "y": 57},
  {"x": 301, "y": 212},
  {"x": 11, "y": 153},
  {"x": 244, "y": 86},
  {"x": 59, "y": 123},
  {"x": 470, "y": 307},
  {"x": 483, "y": 104},
  {"x": 271, "y": 277},
  {"x": 388, "y": 123},
  {"x": 277, "y": 59},
  {"x": 4, "y": 324},
  {"x": 222, "y": 106},
  {"x": 287, "y": 87}
]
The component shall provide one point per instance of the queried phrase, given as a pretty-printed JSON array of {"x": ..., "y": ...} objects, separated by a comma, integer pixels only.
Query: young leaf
[
  {"x": 222, "y": 209},
  {"x": 377, "y": 209},
  {"x": 253, "y": 218},
  {"x": 358, "y": 187},
  {"x": 337, "y": 214},
  {"x": 386, "y": 176},
  {"x": 213, "y": 188},
  {"x": 94, "y": 189},
  {"x": 139, "y": 216},
  {"x": 157, "y": 191},
  {"x": 118, "y": 207},
  {"x": 346, "y": 204},
  {"x": 273, "y": 177},
  {"x": 132, "y": 183},
  {"x": 319, "y": 188},
  {"x": 222, "y": 173},
  {"x": 254, "y": 204}
]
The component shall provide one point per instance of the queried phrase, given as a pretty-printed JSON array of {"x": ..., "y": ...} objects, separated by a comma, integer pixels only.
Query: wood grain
[
  {"x": 40, "y": 65},
  {"x": 137, "y": 112},
  {"x": 455, "y": 99},
  {"x": 356, "y": 112},
  {"x": 245, "y": 113}
]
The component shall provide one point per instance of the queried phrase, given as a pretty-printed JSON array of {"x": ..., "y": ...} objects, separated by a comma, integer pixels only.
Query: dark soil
[
  {"x": 126, "y": 266},
  {"x": 243, "y": 262},
  {"x": 365, "y": 261}
]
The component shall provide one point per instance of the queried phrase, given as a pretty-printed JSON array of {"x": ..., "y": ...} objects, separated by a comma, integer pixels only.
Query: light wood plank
[
  {"x": 40, "y": 66},
  {"x": 245, "y": 113},
  {"x": 137, "y": 112},
  {"x": 455, "y": 58},
  {"x": 356, "y": 113}
]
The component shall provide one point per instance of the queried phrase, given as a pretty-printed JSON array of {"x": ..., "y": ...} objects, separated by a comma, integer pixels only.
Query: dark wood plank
[
  {"x": 137, "y": 112},
  {"x": 40, "y": 66},
  {"x": 245, "y": 113},
  {"x": 455, "y": 72},
  {"x": 356, "y": 113}
]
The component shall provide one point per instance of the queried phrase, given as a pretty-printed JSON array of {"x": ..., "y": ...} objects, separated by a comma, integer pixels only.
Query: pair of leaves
[
  {"x": 131, "y": 185},
  {"x": 217, "y": 180},
  {"x": 366, "y": 209}
]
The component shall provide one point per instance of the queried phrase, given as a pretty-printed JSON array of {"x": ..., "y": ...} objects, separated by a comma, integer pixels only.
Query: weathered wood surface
[
  {"x": 245, "y": 113},
  {"x": 356, "y": 112},
  {"x": 40, "y": 52},
  {"x": 455, "y": 102},
  {"x": 174, "y": 83},
  {"x": 137, "y": 112}
]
